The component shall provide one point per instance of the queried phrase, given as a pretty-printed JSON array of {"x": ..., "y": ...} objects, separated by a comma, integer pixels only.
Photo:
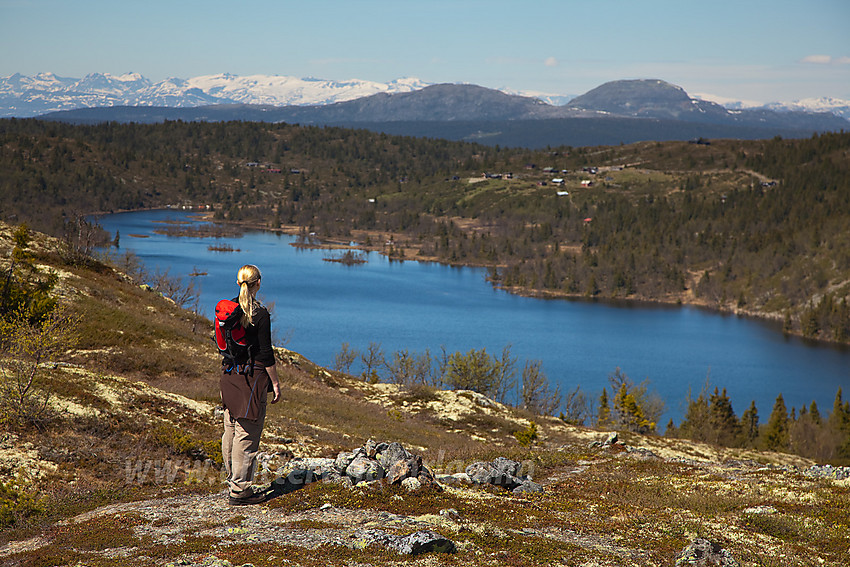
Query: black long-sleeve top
[{"x": 259, "y": 336}]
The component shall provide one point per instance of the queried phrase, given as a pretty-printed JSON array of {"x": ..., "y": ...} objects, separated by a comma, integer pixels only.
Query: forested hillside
[{"x": 745, "y": 226}]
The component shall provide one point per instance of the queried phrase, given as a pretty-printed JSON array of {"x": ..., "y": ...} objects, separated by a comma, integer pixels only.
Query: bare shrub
[
  {"x": 372, "y": 359},
  {"x": 345, "y": 358},
  {"x": 535, "y": 393},
  {"x": 175, "y": 289},
  {"x": 577, "y": 408},
  {"x": 409, "y": 368}
]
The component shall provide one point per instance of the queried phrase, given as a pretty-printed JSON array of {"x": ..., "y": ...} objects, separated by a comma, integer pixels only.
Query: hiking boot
[{"x": 253, "y": 498}]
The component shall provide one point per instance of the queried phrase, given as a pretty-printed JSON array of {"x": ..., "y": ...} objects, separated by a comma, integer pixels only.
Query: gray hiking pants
[{"x": 239, "y": 447}]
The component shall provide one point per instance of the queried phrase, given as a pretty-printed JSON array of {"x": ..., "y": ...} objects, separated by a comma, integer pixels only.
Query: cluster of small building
[
  {"x": 269, "y": 168},
  {"x": 189, "y": 207},
  {"x": 558, "y": 181}
]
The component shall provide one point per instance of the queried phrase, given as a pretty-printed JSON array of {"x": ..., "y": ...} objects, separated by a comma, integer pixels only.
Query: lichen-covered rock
[
  {"x": 828, "y": 471},
  {"x": 455, "y": 479},
  {"x": 390, "y": 460},
  {"x": 362, "y": 468},
  {"x": 426, "y": 477},
  {"x": 479, "y": 472},
  {"x": 609, "y": 441},
  {"x": 344, "y": 459},
  {"x": 404, "y": 468},
  {"x": 501, "y": 472},
  {"x": 391, "y": 454},
  {"x": 370, "y": 448},
  {"x": 424, "y": 541},
  {"x": 528, "y": 486},
  {"x": 703, "y": 553},
  {"x": 506, "y": 467}
]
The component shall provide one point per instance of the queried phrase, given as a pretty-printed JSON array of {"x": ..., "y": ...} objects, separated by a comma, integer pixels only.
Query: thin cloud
[
  {"x": 817, "y": 59},
  {"x": 551, "y": 62}
]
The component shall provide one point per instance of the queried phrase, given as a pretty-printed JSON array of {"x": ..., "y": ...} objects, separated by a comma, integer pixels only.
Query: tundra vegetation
[{"x": 118, "y": 459}]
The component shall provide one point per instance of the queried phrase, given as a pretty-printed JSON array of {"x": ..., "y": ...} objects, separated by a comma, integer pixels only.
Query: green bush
[
  {"x": 16, "y": 503},
  {"x": 527, "y": 436}
]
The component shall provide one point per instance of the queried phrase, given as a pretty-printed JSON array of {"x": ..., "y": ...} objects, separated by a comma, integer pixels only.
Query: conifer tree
[
  {"x": 838, "y": 418},
  {"x": 776, "y": 434},
  {"x": 838, "y": 425},
  {"x": 603, "y": 419},
  {"x": 670, "y": 430},
  {"x": 750, "y": 426},
  {"x": 695, "y": 424},
  {"x": 724, "y": 427},
  {"x": 814, "y": 413},
  {"x": 628, "y": 413}
]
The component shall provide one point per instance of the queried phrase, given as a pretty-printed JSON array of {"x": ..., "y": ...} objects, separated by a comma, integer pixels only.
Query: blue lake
[{"x": 318, "y": 305}]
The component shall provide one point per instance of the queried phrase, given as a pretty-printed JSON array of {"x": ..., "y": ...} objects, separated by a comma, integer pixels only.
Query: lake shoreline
[{"x": 391, "y": 243}]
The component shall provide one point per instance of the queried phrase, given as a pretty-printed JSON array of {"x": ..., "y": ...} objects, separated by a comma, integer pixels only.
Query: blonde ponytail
[{"x": 247, "y": 277}]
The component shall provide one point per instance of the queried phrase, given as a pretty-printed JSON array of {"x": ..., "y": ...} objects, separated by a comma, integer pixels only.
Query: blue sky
[{"x": 758, "y": 50}]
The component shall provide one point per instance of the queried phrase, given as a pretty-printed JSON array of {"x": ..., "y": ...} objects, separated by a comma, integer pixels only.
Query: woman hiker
[{"x": 244, "y": 393}]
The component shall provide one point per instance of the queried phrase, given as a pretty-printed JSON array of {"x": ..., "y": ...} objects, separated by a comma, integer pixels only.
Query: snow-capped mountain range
[
  {"x": 820, "y": 104},
  {"x": 26, "y": 96}
]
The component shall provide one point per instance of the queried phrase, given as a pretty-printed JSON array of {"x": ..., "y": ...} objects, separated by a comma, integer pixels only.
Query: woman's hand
[{"x": 272, "y": 370}]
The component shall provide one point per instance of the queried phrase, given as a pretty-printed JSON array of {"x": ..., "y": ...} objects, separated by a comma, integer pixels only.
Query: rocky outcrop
[
  {"x": 703, "y": 553},
  {"x": 396, "y": 465}
]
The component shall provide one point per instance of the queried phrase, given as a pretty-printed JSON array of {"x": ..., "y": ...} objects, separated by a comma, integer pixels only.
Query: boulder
[
  {"x": 528, "y": 486},
  {"x": 371, "y": 462},
  {"x": 501, "y": 472},
  {"x": 455, "y": 479},
  {"x": 479, "y": 472},
  {"x": 344, "y": 459},
  {"x": 610, "y": 440},
  {"x": 404, "y": 468},
  {"x": 424, "y": 541},
  {"x": 391, "y": 454},
  {"x": 426, "y": 477},
  {"x": 362, "y": 468},
  {"x": 506, "y": 467},
  {"x": 370, "y": 448}
]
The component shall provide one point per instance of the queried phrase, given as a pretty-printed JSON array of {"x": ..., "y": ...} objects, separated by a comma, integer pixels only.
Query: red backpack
[{"x": 230, "y": 338}]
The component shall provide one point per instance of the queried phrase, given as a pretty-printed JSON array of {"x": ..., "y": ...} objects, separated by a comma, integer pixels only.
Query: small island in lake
[
  {"x": 222, "y": 248},
  {"x": 348, "y": 258}
]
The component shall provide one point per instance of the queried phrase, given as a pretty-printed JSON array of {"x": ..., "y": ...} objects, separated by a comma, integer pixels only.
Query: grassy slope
[{"x": 141, "y": 390}]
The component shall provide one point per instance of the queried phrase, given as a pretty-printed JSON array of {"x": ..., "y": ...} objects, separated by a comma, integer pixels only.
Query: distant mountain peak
[{"x": 644, "y": 98}]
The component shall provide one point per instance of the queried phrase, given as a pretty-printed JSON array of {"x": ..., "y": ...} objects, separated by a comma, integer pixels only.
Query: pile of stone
[
  {"x": 703, "y": 553},
  {"x": 371, "y": 462},
  {"x": 828, "y": 471},
  {"x": 501, "y": 472},
  {"x": 391, "y": 461},
  {"x": 609, "y": 441}
]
